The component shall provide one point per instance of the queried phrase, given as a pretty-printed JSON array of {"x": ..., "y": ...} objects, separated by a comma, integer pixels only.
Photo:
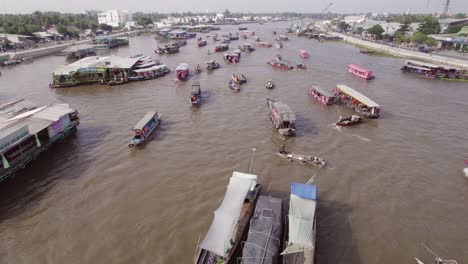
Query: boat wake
[{"x": 361, "y": 138}]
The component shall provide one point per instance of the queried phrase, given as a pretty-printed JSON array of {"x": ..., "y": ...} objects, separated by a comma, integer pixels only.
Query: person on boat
[
  {"x": 138, "y": 134},
  {"x": 355, "y": 118},
  {"x": 282, "y": 149}
]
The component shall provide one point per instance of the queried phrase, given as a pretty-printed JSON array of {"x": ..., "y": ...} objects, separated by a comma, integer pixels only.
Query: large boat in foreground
[
  {"x": 357, "y": 101},
  {"x": 282, "y": 118},
  {"x": 301, "y": 227},
  {"x": 222, "y": 242},
  {"x": 144, "y": 128}
]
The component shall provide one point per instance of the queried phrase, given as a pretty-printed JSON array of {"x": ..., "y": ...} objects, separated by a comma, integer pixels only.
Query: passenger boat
[
  {"x": 234, "y": 86},
  {"x": 361, "y": 72},
  {"x": 301, "y": 227},
  {"x": 232, "y": 58},
  {"x": 195, "y": 97},
  {"x": 212, "y": 65},
  {"x": 222, "y": 242},
  {"x": 349, "y": 121},
  {"x": 270, "y": 84},
  {"x": 144, "y": 128},
  {"x": 282, "y": 118},
  {"x": 149, "y": 73},
  {"x": 434, "y": 71},
  {"x": 222, "y": 47},
  {"x": 201, "y": 42},
  {"x": 304, "y": 54},
  {"x": 263, "y": 243},
  {"x": 322, "y": 95},
  {"x": 357, "y": 101},
  {"x": 182, "y": 71},
  {"x": 263, "y": 44},
  {"x": 280, "y": 64}
]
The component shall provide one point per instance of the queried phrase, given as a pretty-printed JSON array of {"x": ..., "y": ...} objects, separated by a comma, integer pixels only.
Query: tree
[
  {"x": 343, "y": 26},
  {"x": 377, "y": 31},
  {"x": 359, "y": 30},
  {"x": 227, "y": 13},
  {"x": 105, "y": 27},
  {"x": 429, "y": 26},
  {"x": 403, "y": 29},
  {"x": 430, "y": 41},
  {"x": 418, "y": 37},
  {"x": 453, "y": 29},
  {"x": 460, "y": 16},
  {"x": 144, "y": 21}
]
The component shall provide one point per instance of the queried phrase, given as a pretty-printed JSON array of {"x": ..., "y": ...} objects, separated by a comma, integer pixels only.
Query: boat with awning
[{"x": 357, "y": 101}]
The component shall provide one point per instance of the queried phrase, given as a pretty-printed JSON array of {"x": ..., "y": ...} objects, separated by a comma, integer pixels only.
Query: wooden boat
[
  {"x": 222, "y": 47},
  {"x": 180, "y": 43},
  {"x": 270, "y": 84},
  {"x": 233, "y": 37},
  {"x": 212, "y": 65},
  {"x": 282, "y": 118},
  {"x": 248, "y": 47},
  {"x": 304, "y": 54},
  {"x": 322, "y": 95},
  {"x": 238, "y": 78},
  {"x": 167, "y": 49},
  {"x": 360, "y": 72},
  {"x": 201, "y": 42},
  {"x": 300, "y": 245},
  {"x": 195, "y": 97},
  {"x": 264, "y": 238},
  {"x": 263, "y": 44},
  {"x": 144, "y": 128},
  {"x": 349, "y": 121},
  {"x": 357, "y": 101},
  {"x": 231, "y": 220},
  {"x": 232, "y": 58},
  {"x": 234, "y": 86},
  {"x": 435, "y": 71},
  {"x": 242, "y": 28},
  {"x": 280, "y": 64},
  {"x": 149, "y": 73},
  {"x": 303, "y": 159},
  {"x": 182, "y": 72}
]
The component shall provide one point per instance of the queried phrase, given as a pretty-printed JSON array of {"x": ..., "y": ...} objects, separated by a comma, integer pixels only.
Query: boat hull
[{"x": 135, "y": 142}]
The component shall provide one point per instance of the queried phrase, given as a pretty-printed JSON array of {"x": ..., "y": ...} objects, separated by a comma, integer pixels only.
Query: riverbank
[{"x": 429, "y": 57}]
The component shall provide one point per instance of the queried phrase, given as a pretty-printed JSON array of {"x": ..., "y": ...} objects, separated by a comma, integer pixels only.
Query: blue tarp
[{"x": 305, "y": 191}]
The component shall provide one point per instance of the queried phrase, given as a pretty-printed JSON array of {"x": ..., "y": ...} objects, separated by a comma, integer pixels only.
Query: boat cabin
[
  {"x": 304, "y": 54},
  {"x": 221, "y": 47},
  {"x": 282, "y": 117},
  {"x": 357, "y": 101},
  {"x": 359, "y": 71},
  {"x": 434, "y": 71},
  {"x": 232, "y": 58},
  {"x": 144, "y": 128},
  {"x": 182, "y": 71},
  {"x": 321, "y": 95}
]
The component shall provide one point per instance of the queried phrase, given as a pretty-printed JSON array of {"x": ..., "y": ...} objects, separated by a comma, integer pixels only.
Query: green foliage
[
  {"x": 343, "y": 26},
  {"x": 402, "y": 37},
  {"x": 359, "y": 30},
  {"x": 377, "y": 31},
  {"x": 418, "y": 37},
  {"x": 430, "y": 41},
  {"x": 144, "y": 21},
  {"x": 105, "y": 27},
  {"x": 403, "y": 29},
  {"x": 430, "y": 26},
  {"x": 453, "y": 29},
  {"x": 227, "y": 13},
  {"x": 460, "y": 16}
]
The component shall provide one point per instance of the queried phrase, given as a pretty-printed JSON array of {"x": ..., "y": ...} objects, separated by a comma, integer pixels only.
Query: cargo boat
[{"x": 357, "y": 101}]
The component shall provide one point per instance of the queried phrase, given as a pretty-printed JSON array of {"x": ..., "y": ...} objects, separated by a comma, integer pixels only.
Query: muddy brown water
[{"x": 390, "y": 184}]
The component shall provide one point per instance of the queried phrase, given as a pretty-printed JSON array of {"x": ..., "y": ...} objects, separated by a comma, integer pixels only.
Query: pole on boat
[{"x": 252, "y": 159}]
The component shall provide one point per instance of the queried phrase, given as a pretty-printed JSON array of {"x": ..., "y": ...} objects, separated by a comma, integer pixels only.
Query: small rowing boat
[{"x": 349, "y": 121}]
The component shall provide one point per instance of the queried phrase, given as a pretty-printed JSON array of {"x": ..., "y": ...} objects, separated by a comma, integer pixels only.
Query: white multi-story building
[{"x": 115, "y": 18}]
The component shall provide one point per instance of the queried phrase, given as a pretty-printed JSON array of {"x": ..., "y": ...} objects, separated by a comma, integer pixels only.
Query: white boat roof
[
  {"x": 95, "y": 61},
  {"x": 301, "y": 224},
  {"x": 182, "y": 67},
  {"x": 322, "y": 91},
  {"x": 154, "y": 68},
  {"x": 142, "y": 123},
  {"x": 357, "y": 95},
  {"x": 146, "y": 65},
  {"x": 422, "y": 64},
  {"x": 226, "y": 216}
]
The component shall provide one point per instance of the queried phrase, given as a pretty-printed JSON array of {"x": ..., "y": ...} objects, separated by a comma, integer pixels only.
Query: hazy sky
[{"x": 164, "y": 6}]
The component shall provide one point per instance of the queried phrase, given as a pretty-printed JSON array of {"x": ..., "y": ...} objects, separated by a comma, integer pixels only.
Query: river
[{"x": 391, "y": 183}]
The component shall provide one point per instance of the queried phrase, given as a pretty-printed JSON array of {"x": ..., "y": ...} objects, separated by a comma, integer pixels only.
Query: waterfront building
[{"x": 115, "y": 18}]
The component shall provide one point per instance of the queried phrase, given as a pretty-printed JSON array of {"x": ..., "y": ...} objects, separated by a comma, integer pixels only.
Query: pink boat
[
  {"x": 322, "y": 96},
  {"x": 304, "y": 54},
  {"x": 361, "y": 72}
]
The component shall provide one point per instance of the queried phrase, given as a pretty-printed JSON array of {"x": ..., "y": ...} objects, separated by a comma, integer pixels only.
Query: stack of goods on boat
[
  {"x": 234, "y": 57},
  {"x": 212, "y": 65},
  {"x": 301, "y": 228},
  {"x": 195, "y": 96},
  {"x": 79, "y": 52},
  {"x": 28, "y": 130},
  {"x": 360, "y": 72},
  {"x": 265, "y": 234},
  {"x": 231, "y": 220},
  {"x": 222, "y": 47},
  {"x": 323, "y": 96},
  {"x": 109, "y": 70},
  {"x": 357, "y": 101},
  {"x": 282, "y": 117},
  {"x": 144, "y": 128},
  {"x": 435, "y": 71},
  {"x": 279, "y": 63},
  {"x": 263, "y": 44},
  {"x": 109, "y": 42},
  {"x": 182, "y": 71},
  {"x": 236, "y": 81},
  {"x": 304, "y": 54}
]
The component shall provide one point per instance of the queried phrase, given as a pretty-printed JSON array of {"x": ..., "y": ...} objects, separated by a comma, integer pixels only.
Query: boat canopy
[
  {"x": 285, "y": 113},
  {"x": 146, "y": 65},
  {"x": 358, "y": 68},
  {"x": 217, "y": 239},
  {"x": 357, "y": 95},
  {"x": 154, "y": 68},
  {"x": 182, "y": 67},
  {"x": 421, "y": 64},
  {"x": 265, "y": 232},
  {"x": 302, "y": 205},
  {"x": 145, "y": 120},
  {"x": 322, "y": 91}
]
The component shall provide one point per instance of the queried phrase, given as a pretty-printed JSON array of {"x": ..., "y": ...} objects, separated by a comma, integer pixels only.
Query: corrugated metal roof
[
  {"x": 322, "y": 91},
  {"x": 357, "y": 95},
  {"x": 142, "y": 123},
  {"x": 54, "y": 112},
  {"x": 95, "y": 61}
]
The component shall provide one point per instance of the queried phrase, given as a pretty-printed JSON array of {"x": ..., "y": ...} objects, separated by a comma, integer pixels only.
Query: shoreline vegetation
[{"x": 372, "y": 52}]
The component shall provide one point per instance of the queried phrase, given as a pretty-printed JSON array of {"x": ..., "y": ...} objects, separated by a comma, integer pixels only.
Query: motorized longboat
[
  {"x": 282, "y": 118},
  {"x": 195, "y": 96},
  {"x": 349, "y": 121},
  {"x": 144, "y": 128},
  {"x": 357, "y": 101},
  {"x": 212, "y": 65}
]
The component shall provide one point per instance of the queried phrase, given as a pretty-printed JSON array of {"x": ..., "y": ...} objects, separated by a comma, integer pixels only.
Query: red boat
[
  {"x": 221, "y": 47},
  {"x": 182, "y": 71},
  {"x": 361, "y": 72},
  {"x": 280, "y": 64},
  {"x": 304, "y": 54},
  {"x": 322, "y": 96}
]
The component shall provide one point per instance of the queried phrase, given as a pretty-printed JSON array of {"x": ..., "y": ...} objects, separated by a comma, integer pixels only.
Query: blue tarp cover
[{"x": 305, "y": 191}]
